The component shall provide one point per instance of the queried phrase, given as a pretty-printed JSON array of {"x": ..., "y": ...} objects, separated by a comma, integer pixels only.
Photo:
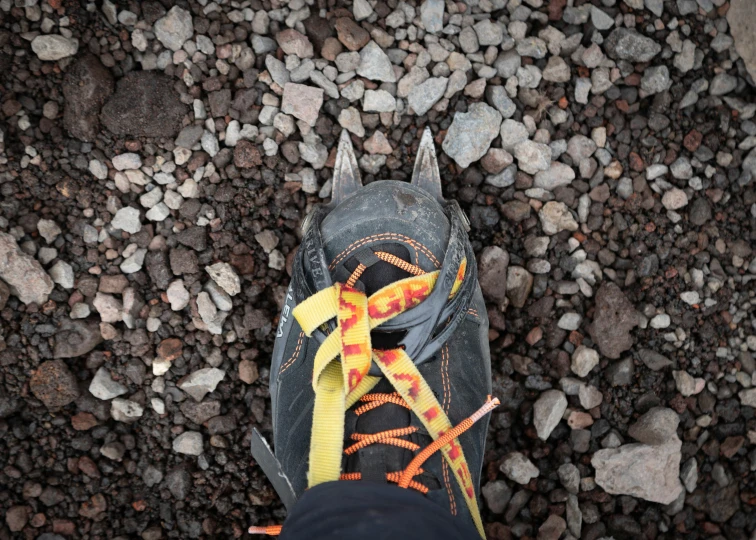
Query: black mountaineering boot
[{"x": 381, "y": 369}]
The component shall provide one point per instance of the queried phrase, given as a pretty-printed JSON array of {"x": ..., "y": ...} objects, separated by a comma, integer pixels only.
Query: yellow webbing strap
[
  {"x": 404, "y": 376},
  {"x": 337, "y": 385}
]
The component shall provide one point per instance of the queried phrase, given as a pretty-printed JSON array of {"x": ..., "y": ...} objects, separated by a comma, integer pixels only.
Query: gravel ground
[{"x": 157, "y": 158}]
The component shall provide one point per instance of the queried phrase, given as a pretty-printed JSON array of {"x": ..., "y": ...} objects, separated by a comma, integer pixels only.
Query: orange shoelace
[
  {"x": 404, "y": 478},
  {"x": 389, "y": 258}
]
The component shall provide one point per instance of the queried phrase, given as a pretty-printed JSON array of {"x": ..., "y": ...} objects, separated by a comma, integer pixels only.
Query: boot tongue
[{"x": 376, "y": 460}]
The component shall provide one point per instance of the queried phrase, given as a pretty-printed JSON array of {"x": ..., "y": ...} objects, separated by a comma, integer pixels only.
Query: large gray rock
[
  {"x": 548, "y": 411},
  {"x": 145, "y": 104},
  {"x": 127, "y": 219},
  {"x": 532, "y": 157},
  {"x": 351, "y": 120},
  {"x": 302, "y": 102},
  {"x": 277, "y": 70},
  {"x": 86, "y": 86},
  {"x": 580, "y": 147},
  {"x": 175, "y": 28},
  {"x": 362, "y": 10},
  {"x": 426, "y": 94},
  {"x": 556, "y": 217},
  {"x": 23, "y": 273},
  {"x": 191, "y": 135},
  {"x": 748, "y": 397},
  {"x": 742, "y": 20},
  {"x": 497, "y": 495},
  {"x": 552, "y": 528},
  {"x": 613, "y": 319},
  {"x": 749, "y": 163},
  {"x": 627, "y": 44},
  {"x": 104, "y": 387},
  {"x": 584, "y": 359},
  {"x": 722, "y": 84},
  {"x": 378, "y": 101},
  {"x": 468, "y": 40},
  {"x": 201, "y": 382},
  {"x": 506, "y": 177},
  {"x": 126, "y": 161},
  {"x": 600, "y": 20},
  {"x": 51, "y": 47},
  {"x": 489, "y": 32},
  {"x": 189, "y": 443},
  {"x": 512, "y": 133},
  {"x": 655, "y": 79},
  {"x": 657, "y": 426},
  {"x": 179, "y": 481},
  {"x": 508, "y": 63},
  {"x": 589, "y": 396},
  {"x": 649, "y": 470},
  {"x": 76, "y": 338},
  {"x": 497, "y": 96},
  {"x": 492, "y": 273},
  {"x": 574, "y": 516},
  {"x": 654, "y": 6},
  {"x": 471, "y": 133},
  {"x": 124, "y": 410},
  {"x": 519, "y": 285},
  {"x": 375, "y": 64},
  {"x": 224, "y": 275},
  {"x": 653, "y": 360},
  {"x": 518, "y": 468},
  {"x": 557, "y": 70},
  {"x": 569, "y": 476},
  {"x": 432, "y": 15},
  {"x": 641, "y": 470},
  {"x": 48, "y": 229}
]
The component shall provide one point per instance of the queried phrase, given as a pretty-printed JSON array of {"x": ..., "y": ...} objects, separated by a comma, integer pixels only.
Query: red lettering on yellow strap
[
  {"x": 414, "y": 389},
  {"x": 453, "y": 450},
  {"x": 393, "y": 307},
  {"x": 414, "y": 293},
  {"x": 386, "y": 357},
  {"x": 355, "y": 377},
  {"x": 431, "y": 413}
]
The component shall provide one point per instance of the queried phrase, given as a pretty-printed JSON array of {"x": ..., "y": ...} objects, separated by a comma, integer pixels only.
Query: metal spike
[
  {"x": 346, "y": 175},
  {"x": 425, "y": 174}
]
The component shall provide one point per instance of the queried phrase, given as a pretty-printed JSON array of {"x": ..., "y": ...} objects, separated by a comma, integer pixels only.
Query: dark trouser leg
[{"x": 370, "y": 511}]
